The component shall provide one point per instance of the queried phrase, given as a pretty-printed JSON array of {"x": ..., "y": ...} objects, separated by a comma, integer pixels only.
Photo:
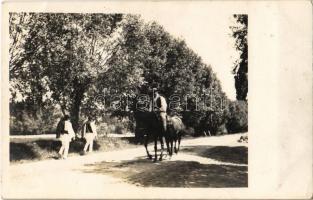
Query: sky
[{"x": 207, "y": 32}]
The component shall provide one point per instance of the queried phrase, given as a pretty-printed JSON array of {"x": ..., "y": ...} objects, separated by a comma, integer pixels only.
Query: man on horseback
[
  {"x": 160, "y": 108},
  {"x": 152, "y": 123}
]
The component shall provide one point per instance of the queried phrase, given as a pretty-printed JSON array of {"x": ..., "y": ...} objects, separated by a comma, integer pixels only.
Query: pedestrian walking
[
  {"x": 65, "y": 133},
  {"x": 89, "y": 132}
]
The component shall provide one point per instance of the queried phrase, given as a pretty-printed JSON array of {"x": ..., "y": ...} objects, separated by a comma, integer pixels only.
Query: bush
[
  {"x": 238, "y": 117},
  {"x": 113, "y": 125},
  {"x": 119, "y": 129},
  {"x": 31, "y": 121},
  {"x": 189, "y": 131},
  {"x": 222, "y": 130}
]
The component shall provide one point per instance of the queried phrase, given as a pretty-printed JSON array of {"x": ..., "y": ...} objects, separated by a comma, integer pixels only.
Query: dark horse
[{"x": 149, "y": 124}]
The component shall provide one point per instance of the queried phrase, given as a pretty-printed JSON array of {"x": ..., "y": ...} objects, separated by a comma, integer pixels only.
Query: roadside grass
[
  {"x": 41, "y": 149},
  {"x": 30, "y": 149}
]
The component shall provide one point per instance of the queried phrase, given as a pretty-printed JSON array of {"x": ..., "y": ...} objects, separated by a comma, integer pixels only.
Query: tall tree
[
  {"x": 71, "y": 59},
  {"x": 240, "y": 70},
  {"x": 170, "y": 65},
  {"x": 62, "y": 56}
]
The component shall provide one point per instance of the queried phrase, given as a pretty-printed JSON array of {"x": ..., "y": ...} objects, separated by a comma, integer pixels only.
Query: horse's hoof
[
  {"x": 160, "y": 159},
  {"x": 150, "y": 157}
]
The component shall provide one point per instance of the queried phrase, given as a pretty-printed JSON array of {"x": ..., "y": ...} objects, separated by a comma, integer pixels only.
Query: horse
[
  {"x": 149, "y": 124},
  {"x": 175, "y": 128}
]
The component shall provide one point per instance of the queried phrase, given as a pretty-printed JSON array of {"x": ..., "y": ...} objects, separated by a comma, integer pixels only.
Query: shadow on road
[
  {"x": 237, "y": 155},
  {"x": 190, "y": 174}
]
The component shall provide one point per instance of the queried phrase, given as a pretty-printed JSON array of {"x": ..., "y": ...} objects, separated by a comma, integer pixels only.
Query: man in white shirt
[
  {"x": 89, "y": 132},
  {"x": 65, "y": 132},
  {"x": 160, "y": 107}
]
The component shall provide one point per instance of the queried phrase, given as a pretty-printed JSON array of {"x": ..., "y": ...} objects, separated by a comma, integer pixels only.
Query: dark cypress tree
[{"x": 240, "y": 70}]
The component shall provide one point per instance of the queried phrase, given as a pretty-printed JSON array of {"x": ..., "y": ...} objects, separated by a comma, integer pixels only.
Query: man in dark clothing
[{"x": 60, "y": 127}]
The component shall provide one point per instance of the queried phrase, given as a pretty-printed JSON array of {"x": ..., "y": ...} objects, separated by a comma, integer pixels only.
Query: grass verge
[{"x": 40, "y": 149}]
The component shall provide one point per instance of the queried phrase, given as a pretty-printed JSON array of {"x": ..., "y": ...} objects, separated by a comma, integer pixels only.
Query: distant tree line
[{"x": 71, "y": 63}]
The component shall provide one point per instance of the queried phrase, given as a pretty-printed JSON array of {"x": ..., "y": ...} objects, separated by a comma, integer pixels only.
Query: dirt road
[{"x": 214, "y": 162}]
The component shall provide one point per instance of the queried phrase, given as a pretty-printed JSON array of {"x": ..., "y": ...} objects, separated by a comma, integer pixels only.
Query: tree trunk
[
  {"x": 78, "y": 95},
  {"x": 75, "y": 114}
]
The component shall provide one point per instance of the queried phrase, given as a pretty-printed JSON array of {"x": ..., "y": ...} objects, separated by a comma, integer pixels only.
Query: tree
[
  {"x": 240, "y": 70},
  {"x": 73, "y": 59},
  {"x": 62, "y": 55},
  {"x": 170, "y": 65}
]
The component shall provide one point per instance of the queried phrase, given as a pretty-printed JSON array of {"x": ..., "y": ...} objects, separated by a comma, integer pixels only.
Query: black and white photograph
[{"x": 128, "y": 104}]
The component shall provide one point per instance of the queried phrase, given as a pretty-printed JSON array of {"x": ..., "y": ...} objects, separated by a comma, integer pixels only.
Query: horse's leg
[
  {"x": 179, "y": 138},
  {"x": 166, "y": 133},
  {"x": 167, "y": 141},
  {"x": 175, "y": 141},
  {"x": 171, "y": 146},
  {"x": 162, "y": 147},
  {"x": 146, "y": 146},
  {"x": 175, "y": 148},
  {"x": 155, "y": 148}
]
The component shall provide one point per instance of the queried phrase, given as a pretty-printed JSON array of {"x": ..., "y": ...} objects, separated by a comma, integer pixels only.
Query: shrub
[
  {"x": 222, "y": 130},
  {"x": 40, "y": 121},
  {"x": 112, "y": 124},
  {"x": 119, "y": 129},
  {"x": 190, "y": 131},
  {"x": 238, "y": 117}
]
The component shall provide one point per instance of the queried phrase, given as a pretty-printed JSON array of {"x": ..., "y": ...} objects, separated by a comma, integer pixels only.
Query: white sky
[{"x": 207, "y": 32}]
